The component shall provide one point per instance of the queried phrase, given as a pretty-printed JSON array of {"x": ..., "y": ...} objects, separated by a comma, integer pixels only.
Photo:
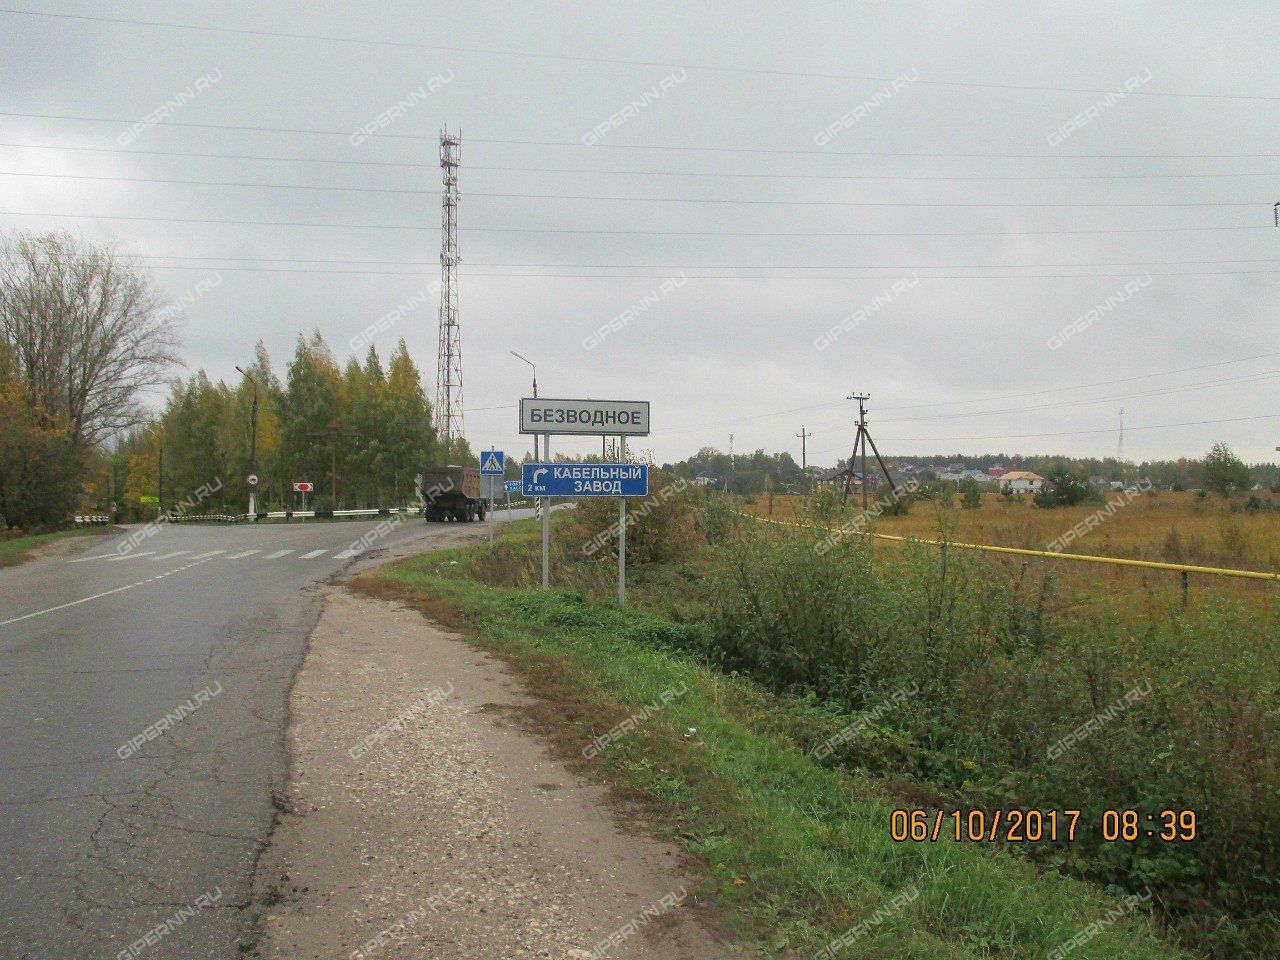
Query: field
[{"x": 1167, "y": 528}]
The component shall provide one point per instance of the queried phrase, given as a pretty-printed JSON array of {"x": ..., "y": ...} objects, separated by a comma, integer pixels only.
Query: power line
[
  {"x": 617, "y": 61},
  {"x": 713, "y": 266},
  {"x": 392, "y": 135},
  {"x": 718, "y": 174},
  {"x": 932, "y": 204},
  {"x": 829, "y": 404},
  {"x": 650, "y": 233}
]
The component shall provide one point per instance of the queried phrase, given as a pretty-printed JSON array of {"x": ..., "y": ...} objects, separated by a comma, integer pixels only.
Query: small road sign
[
  {"x": 303, "y": 487},
  {"x": 157, "y": 499},
  {"x": 251, "y": 479},
  {"x": 585, "y": 479},
  {"x": 597, "y": 417},
  {"x": 493, "y": 463},
  {"x": 511, "y": 486}
]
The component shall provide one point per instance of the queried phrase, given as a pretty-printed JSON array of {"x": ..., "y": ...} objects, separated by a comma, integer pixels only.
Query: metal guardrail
[
  {"x": 92, "y": 520},
  {"x": 1181, "y": 568}
]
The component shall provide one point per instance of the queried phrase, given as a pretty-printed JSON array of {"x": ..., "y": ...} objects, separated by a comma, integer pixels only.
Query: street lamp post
[
  {"x": 159, "y": 471},
  {"x": 535, "y": 394},
  {"x": 253, "y": 445}
]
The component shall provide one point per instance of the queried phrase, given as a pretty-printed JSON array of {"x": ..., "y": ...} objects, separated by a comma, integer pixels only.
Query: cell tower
[
  {"x": 448, "y": 413},
  {"x": 1120, "y": 443}
]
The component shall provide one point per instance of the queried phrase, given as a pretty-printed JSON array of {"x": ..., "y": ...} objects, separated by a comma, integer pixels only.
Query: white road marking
[
  {"x": 176, "y": 553},
  {"x": 130, "y": 556},
  {"x": 347, "y": 554},
  {"x": 101, "y": 556},
  {"x": 241, "y": 556},
  {"x": 277, "y": 555},
  {"x": 205, "y": 556},
  {"x": 312, "y": 555},
  {"x": 98, "y": 596}
]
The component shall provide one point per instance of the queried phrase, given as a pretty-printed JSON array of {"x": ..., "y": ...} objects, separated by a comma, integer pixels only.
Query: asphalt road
[{"x": 112, "y": 828}]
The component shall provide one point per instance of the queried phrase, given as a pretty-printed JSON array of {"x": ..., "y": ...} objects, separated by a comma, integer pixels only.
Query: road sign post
[
  {"x": 546, "y": 523},
  {"x": 620, "y": 418},
  {"x": 492, "y": 464},
  {"x": 622, "y": 535}
]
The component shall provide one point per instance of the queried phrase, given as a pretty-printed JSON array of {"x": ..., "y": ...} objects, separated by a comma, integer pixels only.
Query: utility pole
[
  {"x": 448, "y": 410},
  {"x": 1120, "y": 443},
  {"x": 535, "y": 396},
  {"x": 253, "y": 444},
  {"x": 333, "y": 435},
  {"x": 804, "y": 457},
  {"x": 863, "y": 437}
]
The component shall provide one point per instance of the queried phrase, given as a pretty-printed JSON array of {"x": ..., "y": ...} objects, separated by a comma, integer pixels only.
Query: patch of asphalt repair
[{"x": 419, "y": 822}]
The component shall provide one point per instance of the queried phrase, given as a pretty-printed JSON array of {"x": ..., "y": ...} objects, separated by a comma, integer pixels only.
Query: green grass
[
  {"x": 794, "y": 854},
  {"x": 20, "y": 549}
]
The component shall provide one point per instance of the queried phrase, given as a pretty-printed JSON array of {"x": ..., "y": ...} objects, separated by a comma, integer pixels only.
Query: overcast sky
[{"x": 1155, "y": 211}]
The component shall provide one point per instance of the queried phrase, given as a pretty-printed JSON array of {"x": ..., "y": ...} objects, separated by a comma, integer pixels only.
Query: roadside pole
[
  {"x": 622, "y": 537},
  {"x": 546, "y": 521},
  {"x": 492, "y": 501}
]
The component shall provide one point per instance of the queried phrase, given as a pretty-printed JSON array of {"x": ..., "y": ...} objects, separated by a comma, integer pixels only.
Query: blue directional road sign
[
  {"x": 511, "y": 486},
  {"x": 585, "y": 479},
  {"x": 493, "y": 463}
]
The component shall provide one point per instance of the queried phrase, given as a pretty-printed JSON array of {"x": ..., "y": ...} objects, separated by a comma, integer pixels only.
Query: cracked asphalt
[{"x": 144, "y": 701}]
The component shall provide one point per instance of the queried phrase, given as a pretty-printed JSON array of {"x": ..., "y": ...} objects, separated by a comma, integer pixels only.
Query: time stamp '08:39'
[{"x": 1036, "y": 826}]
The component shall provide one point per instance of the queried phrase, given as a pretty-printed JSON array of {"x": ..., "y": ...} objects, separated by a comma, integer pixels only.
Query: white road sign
[{"x": 614, "y": 418}]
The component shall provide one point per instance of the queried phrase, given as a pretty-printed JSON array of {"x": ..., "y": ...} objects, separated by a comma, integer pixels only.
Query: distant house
[
  {"x": 995, "y": 473},
  {"x": 1097, "y": 481},
  {"x": 977, "y": 476},
  {"x": 1022, "y": 481},
  {"x": 703, "y": 480},
  {"x": 834, "y": 477}
]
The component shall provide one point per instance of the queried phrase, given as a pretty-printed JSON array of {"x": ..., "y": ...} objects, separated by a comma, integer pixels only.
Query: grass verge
[
  {"x": 797, "y": 856},
  {"x": 21, "y": 549}
]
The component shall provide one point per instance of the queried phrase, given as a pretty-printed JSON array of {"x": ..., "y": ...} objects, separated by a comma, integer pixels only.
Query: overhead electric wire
[
  {"x": 829, "y": 404},
  {"x": 931, "y": 204},
  {"x": 718, "y": 174},
  {"x": 393, "y": 135},
  {"x": 652, "y": 233},
  {"x": 614, "y": 61},
  {"x": 705, "y": 266}
]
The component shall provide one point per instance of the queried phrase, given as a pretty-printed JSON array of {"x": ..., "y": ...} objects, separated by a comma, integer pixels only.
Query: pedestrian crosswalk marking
[
  {"x": 211, "y": 553},
  {"x": 176, "y": 553},
  {"x": 312, "y": 555},
  {"x": 347, "y": 554},
  {"x": 277, "y": 555},
  {"x": 132, "y": 556},
  {"x": 241, "y": 556}
]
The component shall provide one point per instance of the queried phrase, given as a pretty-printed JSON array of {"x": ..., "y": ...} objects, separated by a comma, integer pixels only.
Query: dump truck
[{"x": 451, "y": 493}]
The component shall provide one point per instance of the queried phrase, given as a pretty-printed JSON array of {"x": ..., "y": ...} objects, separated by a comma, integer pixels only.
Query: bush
[
  {"x": 998, "y": 673},
  {"x": 970, "y": 495},
  {"x": 1064, "y": 489},
  {"x": 660, "y": 527}
]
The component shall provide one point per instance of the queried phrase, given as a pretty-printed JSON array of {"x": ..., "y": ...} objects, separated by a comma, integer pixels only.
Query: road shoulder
[{"x": 422, "y": 820}]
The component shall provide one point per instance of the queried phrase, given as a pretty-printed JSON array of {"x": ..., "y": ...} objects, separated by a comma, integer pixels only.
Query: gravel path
[{"x": 425, "y": 823}]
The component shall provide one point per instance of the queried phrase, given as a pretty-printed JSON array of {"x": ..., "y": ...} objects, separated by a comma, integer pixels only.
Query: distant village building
[
  {"x": 1022, "y": 481},
  {"x": 703, "y": 480}
]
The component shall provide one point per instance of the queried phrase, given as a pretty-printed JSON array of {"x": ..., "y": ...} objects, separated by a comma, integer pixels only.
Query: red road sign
[
  {"x": 303, "y": 487},
  {"x": 251, "y": 479}
]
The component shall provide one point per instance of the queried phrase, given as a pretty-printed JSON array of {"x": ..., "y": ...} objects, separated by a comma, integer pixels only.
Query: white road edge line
[
  {"x": 133, "y": 554},
  {"x": 241, "y": 556},
  {"x": 98, "y": 596}
]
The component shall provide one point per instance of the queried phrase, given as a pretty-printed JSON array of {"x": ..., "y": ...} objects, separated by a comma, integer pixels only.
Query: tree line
[
  {"x": 358, "y": 433},
  {"x": 86, "y": 340}
]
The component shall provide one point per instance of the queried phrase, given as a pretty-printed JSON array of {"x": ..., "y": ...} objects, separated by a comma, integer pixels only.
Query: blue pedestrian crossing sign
[{"x": 493, "y": 463}]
